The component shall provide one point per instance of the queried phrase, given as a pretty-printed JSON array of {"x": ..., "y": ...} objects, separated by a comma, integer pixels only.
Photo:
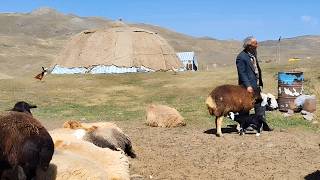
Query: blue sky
[{"x": 228, "y": 19}]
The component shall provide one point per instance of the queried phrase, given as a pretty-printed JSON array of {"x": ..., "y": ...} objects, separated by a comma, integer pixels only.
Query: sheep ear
[
  {"x": 91, "y": 129},
  {"x": 32, "y": 106},
  {"x": 72, "y": 124}
]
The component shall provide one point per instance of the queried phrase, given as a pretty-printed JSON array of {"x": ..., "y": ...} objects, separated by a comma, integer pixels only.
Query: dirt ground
[{"x": 193, "y": 152}]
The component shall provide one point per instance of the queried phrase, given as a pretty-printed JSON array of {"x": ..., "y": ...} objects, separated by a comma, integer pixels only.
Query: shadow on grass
[{"x": 313, "y": 176}]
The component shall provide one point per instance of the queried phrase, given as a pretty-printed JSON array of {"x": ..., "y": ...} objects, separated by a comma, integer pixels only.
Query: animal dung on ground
[{"x": 163, "y": 116}]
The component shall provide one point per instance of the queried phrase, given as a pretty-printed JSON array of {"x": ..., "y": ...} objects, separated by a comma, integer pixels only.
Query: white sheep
[
  {"x": 114, "y": 163},
  {"x": 68, "y": 166},
  {"x": 103, "y": 134}
]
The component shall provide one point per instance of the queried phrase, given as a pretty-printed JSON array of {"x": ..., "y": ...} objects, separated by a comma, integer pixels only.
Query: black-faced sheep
[
  {"x": 22, "y": 106},
  {"x": 228, "y": 98},
  {"x": 24, "y": 142}
]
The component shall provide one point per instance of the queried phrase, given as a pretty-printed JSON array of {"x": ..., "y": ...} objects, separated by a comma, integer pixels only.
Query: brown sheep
[
  {"x": 228, "y": 98},
  {"x": 24, "y": 142}
]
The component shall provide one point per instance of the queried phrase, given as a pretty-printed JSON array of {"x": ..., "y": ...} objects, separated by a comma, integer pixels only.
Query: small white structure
[{"x": 189, "y": 60}]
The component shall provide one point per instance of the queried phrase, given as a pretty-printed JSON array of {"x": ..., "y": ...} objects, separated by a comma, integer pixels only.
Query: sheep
[
  {"x": 23, "y": 106},
  {"x": 269, "y": 101},
  {"x": 78, "y": 159},
  {"x": 163, "y": 116},
  {"x": 24, "y": 142},
  {"x": 115, "y": 163},
  {"x": 229, "y": 98},
  {"x": 67, "y": 165},
  {"x": 104, "y": 135}
]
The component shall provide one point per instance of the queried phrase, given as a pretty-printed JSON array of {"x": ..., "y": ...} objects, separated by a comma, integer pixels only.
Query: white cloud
[{"x": 309, "y": 20}]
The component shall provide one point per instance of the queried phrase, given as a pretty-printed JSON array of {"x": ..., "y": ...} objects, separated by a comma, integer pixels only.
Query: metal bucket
[{"x": 290, "y": 86}]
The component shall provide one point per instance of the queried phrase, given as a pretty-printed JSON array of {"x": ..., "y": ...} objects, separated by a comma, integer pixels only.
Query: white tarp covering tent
[
  {"x": 189, "y": 60},
  {"x": 119, "y": 49},
  {"x": 101, "y": 69}
]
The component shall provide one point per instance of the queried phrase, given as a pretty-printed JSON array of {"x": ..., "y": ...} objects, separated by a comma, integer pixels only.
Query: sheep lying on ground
[
  {"x": 24, "y": 143},
  {"x": 103, "y": 134},
  {"x": 163, "y": 116},
  {"x": 78, "y": 159},
  {"x": 114, "y": 162},
  {"x": 69, "y": 146},
  {"x": 228, "y": 98},
  {"x": 68, "y": 166}
]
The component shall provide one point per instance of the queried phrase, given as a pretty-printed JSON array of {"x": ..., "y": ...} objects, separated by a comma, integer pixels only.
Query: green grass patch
[{"x": 124, "y": 97}]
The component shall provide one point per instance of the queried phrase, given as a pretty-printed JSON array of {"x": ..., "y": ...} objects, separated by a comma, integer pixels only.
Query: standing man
[{"x": 249, "y": 75}]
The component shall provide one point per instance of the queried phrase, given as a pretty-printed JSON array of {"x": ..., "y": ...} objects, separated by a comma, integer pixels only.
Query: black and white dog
[{"x": 255, "y": 121}]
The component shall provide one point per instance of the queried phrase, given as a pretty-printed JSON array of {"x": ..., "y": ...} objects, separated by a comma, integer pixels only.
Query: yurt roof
[{"x": 121, "y": 46}]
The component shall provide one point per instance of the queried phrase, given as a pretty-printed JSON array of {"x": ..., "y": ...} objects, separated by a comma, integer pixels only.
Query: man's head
[{"x": 250, "y": 44}]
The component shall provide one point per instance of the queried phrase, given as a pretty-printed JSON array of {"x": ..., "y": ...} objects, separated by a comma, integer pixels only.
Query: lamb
[
  {"x": 229, "y": 98},
  {"x": 104, "y": 135},
  {"x": 24, "y": 143}
]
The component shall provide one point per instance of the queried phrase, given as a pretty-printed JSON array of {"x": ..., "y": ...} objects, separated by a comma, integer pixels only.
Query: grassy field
[{"x": 124, "y": 97}]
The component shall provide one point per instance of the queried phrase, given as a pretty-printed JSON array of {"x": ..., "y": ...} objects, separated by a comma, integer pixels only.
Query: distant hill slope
[
  {"x": 31, "y": 40},
  {"x": 47, "y": 23}
]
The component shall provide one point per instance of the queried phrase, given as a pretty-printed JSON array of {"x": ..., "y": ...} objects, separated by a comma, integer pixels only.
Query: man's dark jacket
[{"x": 246, "y": 74}]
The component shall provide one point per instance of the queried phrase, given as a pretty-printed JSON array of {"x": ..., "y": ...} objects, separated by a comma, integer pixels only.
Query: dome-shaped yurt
[{"x": 119, "y": 49}]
